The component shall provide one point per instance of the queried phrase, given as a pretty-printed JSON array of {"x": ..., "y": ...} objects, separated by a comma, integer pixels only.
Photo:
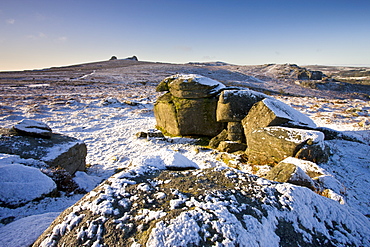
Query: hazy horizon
[{"x": 41, "y": 34}]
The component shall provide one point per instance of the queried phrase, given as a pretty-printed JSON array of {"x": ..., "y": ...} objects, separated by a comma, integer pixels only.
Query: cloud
[
  {"x": 40, "y": 35},
  {"x": 10, "y": 21}
]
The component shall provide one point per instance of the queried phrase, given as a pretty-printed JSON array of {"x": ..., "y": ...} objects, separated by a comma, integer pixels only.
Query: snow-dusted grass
[{"x": 109, "y": 131}]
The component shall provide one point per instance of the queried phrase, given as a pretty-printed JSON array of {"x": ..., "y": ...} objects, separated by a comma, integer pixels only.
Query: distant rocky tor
[{"x": 54, "y": 155}]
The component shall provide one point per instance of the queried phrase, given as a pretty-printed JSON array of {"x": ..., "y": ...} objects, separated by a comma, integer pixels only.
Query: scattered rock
[
  {"x": 33, "y": 128},
  {"x": 150, "y": 134},
  {"x": 271, "y": 145},
  {"x": 113, "y": 58}
]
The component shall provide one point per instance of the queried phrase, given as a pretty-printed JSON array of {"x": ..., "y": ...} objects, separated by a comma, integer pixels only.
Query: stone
[
  {"x": 113, "y": 58},
  {"x": 190, "y": 86},
  {"x": 316, "y": 75},
  {"x": 235, "y": 132},
  {"x": 286, "y": 172},
  {"x": 187, "y": 117},
  {"x": 58, "y": 150},
  {"x": 231, "y": 146},
  {"x": 215, "y": 141},
  {"x": 33, "y": 128},
  {"x": 271, "y": 145},
  {"x": 172, "y": 208},
  {"x": 271, "y": 112},
  {"x": 234, "y": 105}
]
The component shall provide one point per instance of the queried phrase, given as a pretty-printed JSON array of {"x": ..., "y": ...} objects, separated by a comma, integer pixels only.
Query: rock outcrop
[
  {"x": 189, "y": 108},
  {"x": 204, "y": 208}
]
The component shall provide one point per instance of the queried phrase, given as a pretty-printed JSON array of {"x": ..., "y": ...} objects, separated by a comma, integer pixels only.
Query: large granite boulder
[
  {"x": 234, "y": 105},
  {"x": 271, "y": 112},
  {"x": 271, "y": 145},
  {"x": 56, "y": 151},
  {"x": 187, "y": 117},
  {"x": 190, "y": 86},
  {"x": 209, "y": 207}
]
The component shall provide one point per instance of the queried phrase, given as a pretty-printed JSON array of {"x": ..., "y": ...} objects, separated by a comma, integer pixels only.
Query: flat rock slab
[
  {"x": 59, "y": 150},
  {"x": 33, "y": 128}
]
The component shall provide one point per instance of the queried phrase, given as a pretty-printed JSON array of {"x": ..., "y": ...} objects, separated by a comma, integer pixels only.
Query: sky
[{"x": 38, "y": 34}]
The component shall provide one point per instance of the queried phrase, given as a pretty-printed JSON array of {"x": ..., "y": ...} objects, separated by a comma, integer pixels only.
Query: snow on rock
[
  {"x": 30, "y": 228},
  {"x": 85, "y": 181},
  {"x": 208, "y": 207},
  {"x": 21, "y": 184},
  {"x": 282, "y": 110},
  {"x": 164, "y": 159},
  {"x": 191, "y": 86},
  {"x": 33, "y": 128}
]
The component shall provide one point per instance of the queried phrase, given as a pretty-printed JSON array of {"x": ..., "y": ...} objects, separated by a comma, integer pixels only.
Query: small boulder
[
  {"x": 231, "y": 146},
  {"x": 33, "y": 128},
  {"x": 286, "y": 172},
  {"x": 235, "y": 132},
  {"x": 271, "y": 145},
  {"x": 271, "y": 112},
  {"x": 215, "y": 141},
  {"x": 234, "y": 105}
]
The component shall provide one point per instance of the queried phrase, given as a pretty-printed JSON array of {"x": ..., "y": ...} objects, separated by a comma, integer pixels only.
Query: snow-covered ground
[{"x": 108, "y": 127}]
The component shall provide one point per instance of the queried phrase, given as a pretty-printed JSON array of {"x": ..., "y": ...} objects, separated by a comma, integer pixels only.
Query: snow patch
[{"x": 20, "y": 184}]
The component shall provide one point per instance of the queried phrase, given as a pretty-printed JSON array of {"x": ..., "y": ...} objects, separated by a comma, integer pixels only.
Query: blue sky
[{"x": 46, "y": 33}]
